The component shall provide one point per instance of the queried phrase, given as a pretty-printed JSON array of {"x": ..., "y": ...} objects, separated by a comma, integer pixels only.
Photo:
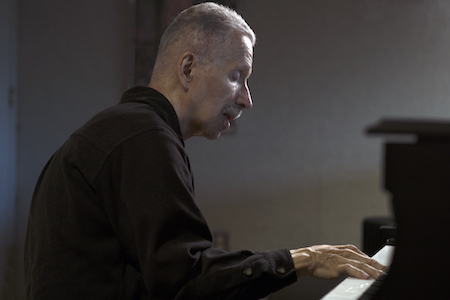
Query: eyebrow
[{"x": 248, "y": 70}]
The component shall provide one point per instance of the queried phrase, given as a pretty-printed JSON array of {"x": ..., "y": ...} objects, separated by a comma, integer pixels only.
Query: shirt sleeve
[
  {"x": 164, "y": 234},
  {"x": 240, "y": 275}
]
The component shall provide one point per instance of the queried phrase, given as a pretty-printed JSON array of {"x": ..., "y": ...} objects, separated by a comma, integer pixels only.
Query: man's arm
[{"x": 329, "y": 262}]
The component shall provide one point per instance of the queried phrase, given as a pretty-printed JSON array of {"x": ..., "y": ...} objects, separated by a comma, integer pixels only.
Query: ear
[{"x": 186, "y": 65}]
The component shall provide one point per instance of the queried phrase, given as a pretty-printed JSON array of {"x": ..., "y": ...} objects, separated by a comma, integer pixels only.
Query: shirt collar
[{"x": 157, "y": 101}]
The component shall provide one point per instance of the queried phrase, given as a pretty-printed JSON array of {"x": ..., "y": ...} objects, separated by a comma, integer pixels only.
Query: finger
[
  {"x": 361, "y": 261},
  {"x": 356, "y": 272},
  {"x": 352, "y": 252},
  {"x": 349, "y": 247},
  {"x": 377, "y": 265},
  {"x": 353, "y": 271},
  {"x": 372, "y": 263},
  {"x": 374, "y": 272}
]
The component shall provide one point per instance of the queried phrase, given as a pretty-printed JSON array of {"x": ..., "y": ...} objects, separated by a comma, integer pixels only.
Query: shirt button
[
  {"x": 281, "y": 270},
  {"x": 248, "y": 271}
]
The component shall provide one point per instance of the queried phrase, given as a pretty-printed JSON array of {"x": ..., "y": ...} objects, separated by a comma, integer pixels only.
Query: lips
[
  {"x": 229, "y": 117},
  {"x": 232, "y": 113}
]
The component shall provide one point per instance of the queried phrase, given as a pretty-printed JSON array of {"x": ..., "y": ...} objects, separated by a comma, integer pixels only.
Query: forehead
[{"x": 238, "y": 52}]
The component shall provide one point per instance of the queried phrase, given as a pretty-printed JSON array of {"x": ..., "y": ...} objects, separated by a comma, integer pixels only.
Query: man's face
[{"x": 222, "y": 91}]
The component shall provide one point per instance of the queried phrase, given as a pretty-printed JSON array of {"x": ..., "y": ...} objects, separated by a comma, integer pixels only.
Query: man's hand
[{"x": 330, "y": 262}]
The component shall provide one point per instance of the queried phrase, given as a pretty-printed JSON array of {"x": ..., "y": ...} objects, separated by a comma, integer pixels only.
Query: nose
[{"x": 245, "y": 98}]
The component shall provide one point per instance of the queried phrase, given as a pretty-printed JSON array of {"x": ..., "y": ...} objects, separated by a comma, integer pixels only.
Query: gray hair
[{"x": 202, "y": 28}]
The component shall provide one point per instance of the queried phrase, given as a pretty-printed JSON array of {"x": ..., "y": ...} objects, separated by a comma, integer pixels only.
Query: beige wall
[{"x": 299, "y": 170}]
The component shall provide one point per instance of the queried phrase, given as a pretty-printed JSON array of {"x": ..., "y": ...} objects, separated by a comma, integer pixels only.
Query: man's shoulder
[{"x": 124, "y": 121}]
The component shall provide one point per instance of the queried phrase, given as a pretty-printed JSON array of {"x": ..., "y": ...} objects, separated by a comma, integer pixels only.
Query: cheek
[
  {"x": 220, "y": 96},
  {"x": 229, "y": 92}
]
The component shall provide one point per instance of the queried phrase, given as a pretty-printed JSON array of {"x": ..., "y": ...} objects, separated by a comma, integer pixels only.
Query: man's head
[{"x": 204, "y": 60}]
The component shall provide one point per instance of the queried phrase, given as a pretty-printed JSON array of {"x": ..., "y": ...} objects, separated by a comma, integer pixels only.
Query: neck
[{"x": 176, "y": 99}]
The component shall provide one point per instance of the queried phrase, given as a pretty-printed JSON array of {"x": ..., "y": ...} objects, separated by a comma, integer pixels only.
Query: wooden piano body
[{"x": 417, "y": 175}]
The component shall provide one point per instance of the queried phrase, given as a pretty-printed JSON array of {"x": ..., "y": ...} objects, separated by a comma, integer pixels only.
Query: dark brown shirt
[{"x": 114, "y": 216}]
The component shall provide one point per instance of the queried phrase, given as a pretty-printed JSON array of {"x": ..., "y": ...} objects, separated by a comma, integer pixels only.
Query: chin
[
  {"x": 213, "y": 137},
  {"x": 213, "y": 132}
]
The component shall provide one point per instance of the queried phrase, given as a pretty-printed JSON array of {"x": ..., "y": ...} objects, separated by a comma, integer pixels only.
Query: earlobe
[{"x": 186, "y": 66}]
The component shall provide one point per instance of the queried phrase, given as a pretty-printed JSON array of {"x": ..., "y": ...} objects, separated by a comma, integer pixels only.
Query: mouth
[{"x": 232, "y": 114}]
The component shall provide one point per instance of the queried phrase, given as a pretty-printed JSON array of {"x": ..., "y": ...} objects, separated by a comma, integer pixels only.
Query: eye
[{"x": 235, "y": 76}]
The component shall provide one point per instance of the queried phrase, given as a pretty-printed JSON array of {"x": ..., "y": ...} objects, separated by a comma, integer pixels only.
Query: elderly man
[{"x": 113, "y": 214}]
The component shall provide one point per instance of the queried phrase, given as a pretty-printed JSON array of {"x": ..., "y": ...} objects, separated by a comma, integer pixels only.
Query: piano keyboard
[{"x": 353, "y": 288}]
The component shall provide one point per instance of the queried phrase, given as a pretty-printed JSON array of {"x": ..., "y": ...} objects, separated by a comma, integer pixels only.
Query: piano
[{"x": 417, "y": 176}]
